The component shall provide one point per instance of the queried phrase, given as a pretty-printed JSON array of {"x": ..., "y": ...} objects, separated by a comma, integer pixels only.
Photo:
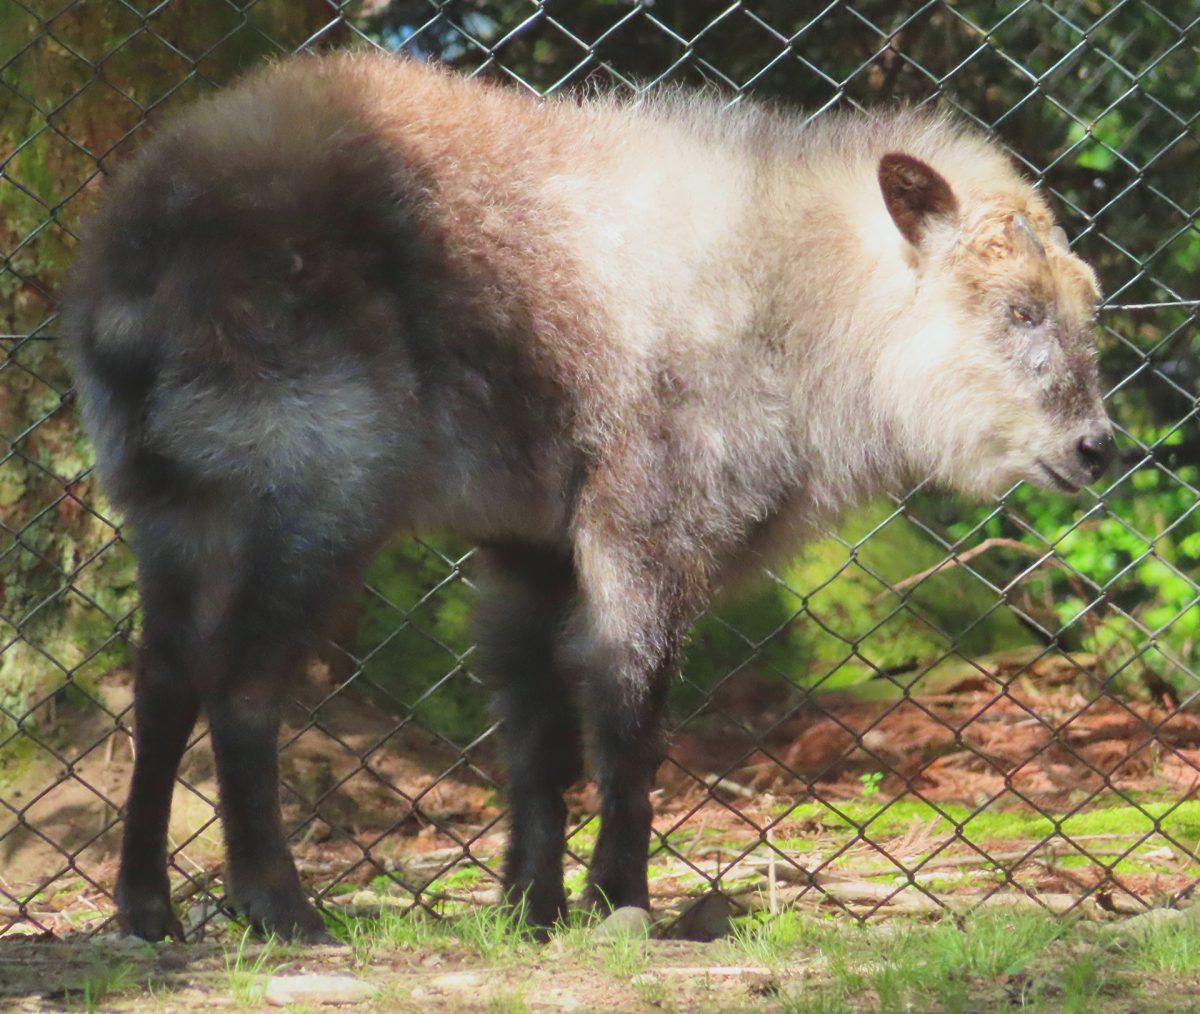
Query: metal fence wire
[{"x": 942, "y": 705}]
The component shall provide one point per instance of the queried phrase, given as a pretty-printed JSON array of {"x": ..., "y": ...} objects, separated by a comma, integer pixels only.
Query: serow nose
[{"x": 1096, "y": 452}]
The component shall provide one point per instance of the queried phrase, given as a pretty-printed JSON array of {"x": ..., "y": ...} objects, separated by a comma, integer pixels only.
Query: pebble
[
  {"x": 1125, "y": 931},
  {"x": 625, "y": 921},
  {"x": 287, "y": 989},
  {"x": 706, "y": 920},
  {"x": 125, "y": 942},
  {"x": 204, "y": 915},
  {"x": 457, "y": 981}
]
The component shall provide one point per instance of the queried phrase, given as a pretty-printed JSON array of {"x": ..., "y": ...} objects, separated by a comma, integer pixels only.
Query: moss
[
  {"x": 20, "y": 757},
  {"x": 458, "y": 878},
  {"x": 1135, "y": 863},
  {"x": 1180, "y": 821}
]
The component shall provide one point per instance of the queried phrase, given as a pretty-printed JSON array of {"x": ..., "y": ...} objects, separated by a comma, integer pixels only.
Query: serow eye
[{"x": 1027, "y": 316}]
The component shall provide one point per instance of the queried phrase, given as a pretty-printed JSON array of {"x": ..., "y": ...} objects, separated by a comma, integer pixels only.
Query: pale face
[
  {"x": 1002, "y": 374},
  {"x": 1034, "y": 311}
]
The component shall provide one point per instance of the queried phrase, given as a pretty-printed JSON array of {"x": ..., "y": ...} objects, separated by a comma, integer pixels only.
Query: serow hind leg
[
  {"x": 260, "y": 877},
  {"x": 286, "y": 587},
  {"x": 164, "y": 714},
  {"x": 525, "y": 595}
]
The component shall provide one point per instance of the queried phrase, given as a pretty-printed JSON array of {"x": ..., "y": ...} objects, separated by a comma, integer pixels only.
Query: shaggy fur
[{"x": 626, "y": 348}]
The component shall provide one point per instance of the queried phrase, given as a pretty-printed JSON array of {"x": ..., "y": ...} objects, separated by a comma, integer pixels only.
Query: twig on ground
[
  {"x": 958, "y": 559},
  {"x": 727, "y": 785},
  {"x": 772, "y": 885}
]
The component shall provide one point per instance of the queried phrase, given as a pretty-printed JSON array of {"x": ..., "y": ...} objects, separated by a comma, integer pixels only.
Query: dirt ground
[
  {"x": 834, "y": 803},
  {"x": 1077, "y": 970},
  {"x": 196, "y": 976}
]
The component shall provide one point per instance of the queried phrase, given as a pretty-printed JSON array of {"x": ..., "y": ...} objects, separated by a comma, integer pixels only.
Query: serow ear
[{"x": 914, "y": 193}]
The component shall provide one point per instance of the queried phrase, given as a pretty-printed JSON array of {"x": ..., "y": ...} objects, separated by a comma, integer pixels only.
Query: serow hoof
[
  {"x": 287, "y": 916},
  {"x": 538, "y": 909},
  {"x": 148, "y": 914}
]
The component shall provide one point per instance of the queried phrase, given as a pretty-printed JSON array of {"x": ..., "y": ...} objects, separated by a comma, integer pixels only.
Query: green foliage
[
  {"x": 1122, "y": 581},
  {"x": 625, "y": 954},
  {"x": 881, "y": 819},
  {"x": 415, "y": 637},
  {"x": 394, "y": 929},
  {"x": 773, "y": 940},
  {"x": 1027, "y": 960},
  {"x": 68, "y": 586},
  {"x": 66, "y": 581},
  {"x": 249, "y": 967},
  {"x": 494, "y": 932},
  {"x": 830, "y": 620}
]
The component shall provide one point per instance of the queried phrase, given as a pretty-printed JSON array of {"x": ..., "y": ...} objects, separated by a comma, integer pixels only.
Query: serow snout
[{"x": 1096, "y": 451}]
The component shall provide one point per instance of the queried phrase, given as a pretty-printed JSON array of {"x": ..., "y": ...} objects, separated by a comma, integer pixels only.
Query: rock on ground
[{"x": 283, "y": 990}]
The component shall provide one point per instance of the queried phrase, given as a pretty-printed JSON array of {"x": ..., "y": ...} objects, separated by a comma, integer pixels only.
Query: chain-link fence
[{"x": 941, "y": 705}]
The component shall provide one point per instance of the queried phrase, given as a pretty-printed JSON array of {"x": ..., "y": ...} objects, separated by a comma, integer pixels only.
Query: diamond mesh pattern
[{"x": 941, "y": 706}]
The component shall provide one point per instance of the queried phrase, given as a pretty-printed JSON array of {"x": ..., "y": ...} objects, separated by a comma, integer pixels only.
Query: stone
[
  {"x": 126, "y": 942},
  {"x": 288, "y": 989},
  {"x": 707, "y": 919},
  {"x": 203, "y": 919},
  {"x": 629, "y": 920},
  {"x": 456, "y": 981}
]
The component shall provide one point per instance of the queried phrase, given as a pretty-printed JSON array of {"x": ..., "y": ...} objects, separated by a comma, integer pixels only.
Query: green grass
[
  {"x": 247, "y": 973},
  {"x": 1003, "y": 958},
  {"x": 508, "y": 1000},
  {"x": 575, "y": 881},
  {"x": 993, "y": 944},
  {"x": 493, "y": 932},
  {"x": 653, "y": 990},
  {"x": 457, "y": 879},
  {"x": 102, "y": 982},
  {"x": 1170, "y": 946},
  {"x": 490, "y": 932},
  {"x": 1082, "y": 982},
  {"x": 774, "y": 941},
  {"x": 624, "y": 955},
  {"x": 1000, "y": 958},
  {"x": 817, "y": 1003},
  {"x": 1133, "y": 863},
  {"x": 582, "y": 840},
  {"x": 394, "y": 929},
  {"x": 465, "y": 875}
]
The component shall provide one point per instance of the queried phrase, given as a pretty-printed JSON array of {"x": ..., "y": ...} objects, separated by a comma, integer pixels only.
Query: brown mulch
[{"x": 1032, "y": 733}]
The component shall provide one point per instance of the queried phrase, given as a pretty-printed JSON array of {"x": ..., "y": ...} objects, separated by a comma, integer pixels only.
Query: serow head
[{"x": 997, "y": 381}]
